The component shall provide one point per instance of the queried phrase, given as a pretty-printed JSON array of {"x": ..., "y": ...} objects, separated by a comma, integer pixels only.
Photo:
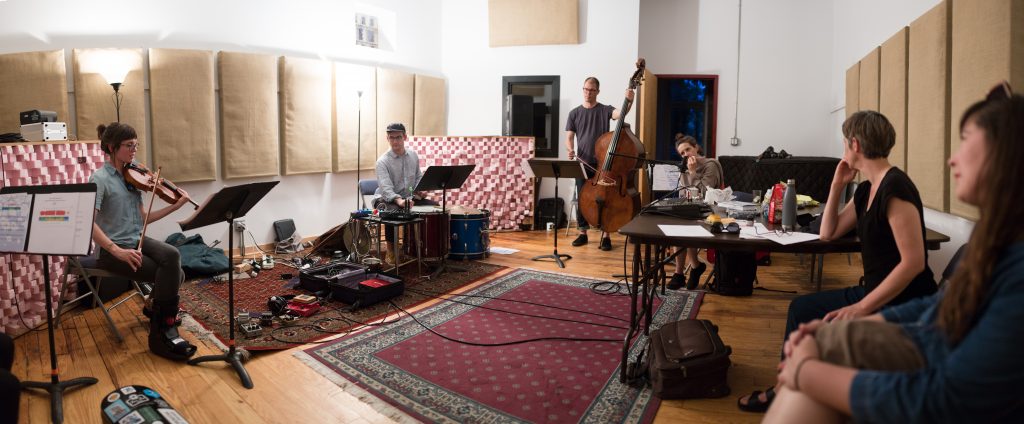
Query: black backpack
[
  {"x": 551, "y": 209},
  {"x": 735, "y": 273}
]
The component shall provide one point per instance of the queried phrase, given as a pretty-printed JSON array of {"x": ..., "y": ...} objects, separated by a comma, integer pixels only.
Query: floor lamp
[
  {"x": 359, "y": 146},
  {"x": 115, "y": 75}
]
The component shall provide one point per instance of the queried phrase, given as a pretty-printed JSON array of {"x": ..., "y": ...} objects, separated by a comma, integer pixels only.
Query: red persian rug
[
  {"x": 410, "y": 373},
  {"x": 206, "y": 301}
]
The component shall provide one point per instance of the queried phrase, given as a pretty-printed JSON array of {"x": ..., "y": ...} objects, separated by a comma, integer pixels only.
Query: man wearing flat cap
[{"x": 398, "y": 172}]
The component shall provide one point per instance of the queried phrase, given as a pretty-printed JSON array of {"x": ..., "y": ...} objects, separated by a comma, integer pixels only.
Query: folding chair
[
  {"x": 84, "y": 268},
  {"x": 367, "y": 188}
]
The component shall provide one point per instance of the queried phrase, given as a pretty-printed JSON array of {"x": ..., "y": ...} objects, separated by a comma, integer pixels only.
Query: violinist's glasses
[{"x": 131, "y": 146}]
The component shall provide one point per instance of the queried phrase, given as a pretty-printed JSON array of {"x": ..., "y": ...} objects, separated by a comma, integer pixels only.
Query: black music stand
[
  {"x": 556, "y": 169},
  {"x": 227, "y": 205},
  {"x": 81, "y": 239},
  {"x": 443, "y": 178}
]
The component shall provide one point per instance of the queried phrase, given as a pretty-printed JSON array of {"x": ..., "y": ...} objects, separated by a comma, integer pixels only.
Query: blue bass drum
[{"x": 469, "y": 235}]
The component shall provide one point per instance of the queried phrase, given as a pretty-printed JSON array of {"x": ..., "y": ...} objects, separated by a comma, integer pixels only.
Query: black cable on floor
[{"x": 538, "y": 339}]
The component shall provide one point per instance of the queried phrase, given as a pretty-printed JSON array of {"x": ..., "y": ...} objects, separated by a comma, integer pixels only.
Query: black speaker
[
  {"x": 519, "y": 115},
  {"x": 284, "y": 229}
]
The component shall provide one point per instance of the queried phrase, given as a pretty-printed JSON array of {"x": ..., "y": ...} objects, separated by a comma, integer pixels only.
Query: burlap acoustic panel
[
  {"x": 430, "y": 116},
  {"x": 355, "y": 118},
  {"x": 928, "y": 114},
  {"x": 32, "y": 80},
  {"x": 988, "y": 47},
  {"x": 395, "y": 90},
  {"x": 868, "y": 87},
  {"x": 249, "y": 119},
  {"x": 533, "y": 22},
  {"x": 853, "y": 89},
  {"x": 184, "y": 122},
  {"x": 94, "y": 97},
  {"x": 892, "y": 99},
  {"x": 306, "y": 102}
]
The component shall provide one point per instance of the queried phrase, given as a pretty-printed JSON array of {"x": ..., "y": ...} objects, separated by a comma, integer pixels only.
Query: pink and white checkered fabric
[
  {"x": 498, "y": 184},
  {"x": 21, "y": 275}
]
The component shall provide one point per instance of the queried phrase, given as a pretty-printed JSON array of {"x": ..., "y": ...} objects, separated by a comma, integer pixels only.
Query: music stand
[
  {"x": 66, "y": 205},
  {"x": 556, "y": 169},
  {"x": 441, "y": 177},
  {"x": 227, "y": 205}
]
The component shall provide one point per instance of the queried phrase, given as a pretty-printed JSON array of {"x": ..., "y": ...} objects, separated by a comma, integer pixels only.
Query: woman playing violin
[{"x": 120, "y": 219}]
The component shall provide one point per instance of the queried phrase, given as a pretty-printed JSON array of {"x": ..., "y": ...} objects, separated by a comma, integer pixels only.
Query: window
[
  {"x": 530, "y": 108},
  {"x": 686, "y": 105}
]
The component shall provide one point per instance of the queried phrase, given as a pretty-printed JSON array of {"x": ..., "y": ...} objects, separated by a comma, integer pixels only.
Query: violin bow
[{"x": 152, "y": 196}]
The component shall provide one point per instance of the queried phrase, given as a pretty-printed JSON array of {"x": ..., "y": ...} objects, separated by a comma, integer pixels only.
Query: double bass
[{"x": 610, "y": 199}]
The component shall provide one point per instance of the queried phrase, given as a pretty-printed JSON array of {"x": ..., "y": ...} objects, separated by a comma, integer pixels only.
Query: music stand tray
[
  {"x": 556, "y": 169},
  {"x": 444, "y": 178},
  {"x": 227, "y": 205},
  {"x": 33, "y": 218}
]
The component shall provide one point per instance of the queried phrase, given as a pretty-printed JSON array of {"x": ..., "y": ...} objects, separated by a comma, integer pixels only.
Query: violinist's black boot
[{"x": 163, "y": 335}]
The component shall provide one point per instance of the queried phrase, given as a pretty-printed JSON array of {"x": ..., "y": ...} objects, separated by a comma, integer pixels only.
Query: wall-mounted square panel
[
  {"x": 306, "y": 108},
  {"x": 395, "y": 91},
  {"x": 868, "y": 87},
  {"x": 184, "y": 121},
  {"x": 892, "y": 100},
  {"x": 94, "y": 96},
  {"x": 988, "y": 47},
  {"x": 356, "y": 117},
  {"x": 853, "y": 89},
  {"x": 430, "y": 113},
  {"x": 928, "y": 106},
  {"x": 250, "y": 123},
  {"x": 32, "y": 80},
  {"x": 533, "y": 22}
]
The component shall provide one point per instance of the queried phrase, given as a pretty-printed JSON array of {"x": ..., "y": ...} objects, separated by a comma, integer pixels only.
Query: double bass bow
[{"x": 610, "y": 199}]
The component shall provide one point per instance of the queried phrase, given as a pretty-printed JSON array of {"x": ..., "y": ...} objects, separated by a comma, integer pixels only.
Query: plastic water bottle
[{"x": 789, "y": 206}]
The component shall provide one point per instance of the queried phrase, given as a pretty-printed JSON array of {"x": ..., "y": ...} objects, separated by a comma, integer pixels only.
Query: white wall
[
  {"x": 784, "y": 66},
  {"x": 297, "y": 28},
  {"x": 607, "y": 50},
  {"x": 862, "y": 25}
]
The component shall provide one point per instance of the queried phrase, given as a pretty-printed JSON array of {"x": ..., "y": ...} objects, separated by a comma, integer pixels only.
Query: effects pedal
[
  {"x": 250, "y": 329},
  {"x": 268, "y": 262},
  {"x": 304, "y": 298}
]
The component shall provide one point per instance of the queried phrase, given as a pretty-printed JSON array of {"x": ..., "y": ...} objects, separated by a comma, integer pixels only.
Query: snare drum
[
  {"x": 431, "y": 235},
  {"x": 469, "y": 235}
]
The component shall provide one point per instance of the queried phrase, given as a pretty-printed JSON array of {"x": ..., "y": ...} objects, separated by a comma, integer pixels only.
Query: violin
[
  {"x": 610, "y": 199},
  {"x": 143, "y": 179}
]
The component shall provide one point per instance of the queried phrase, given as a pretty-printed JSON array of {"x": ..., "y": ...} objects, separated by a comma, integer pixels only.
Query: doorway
[{"x": 530, "y": 108}]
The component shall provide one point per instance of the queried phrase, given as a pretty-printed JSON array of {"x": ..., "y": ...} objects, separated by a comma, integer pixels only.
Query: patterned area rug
[
  {"x": 206, "y": 302},
  {"x": 410, "y": 373}
]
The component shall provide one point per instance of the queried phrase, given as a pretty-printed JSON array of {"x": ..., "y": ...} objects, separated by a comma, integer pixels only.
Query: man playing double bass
[{"x": 586, "y": 123}]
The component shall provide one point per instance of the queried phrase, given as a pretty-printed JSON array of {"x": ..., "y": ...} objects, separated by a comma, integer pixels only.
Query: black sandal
[{"x": 754, "y": 403}]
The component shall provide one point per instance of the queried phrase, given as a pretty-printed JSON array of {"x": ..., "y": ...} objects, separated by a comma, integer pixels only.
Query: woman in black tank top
[{"x": 888, "y": 216}]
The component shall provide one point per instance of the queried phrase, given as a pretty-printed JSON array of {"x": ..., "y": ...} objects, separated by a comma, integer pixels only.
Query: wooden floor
[{"x": 287, "y": 391}]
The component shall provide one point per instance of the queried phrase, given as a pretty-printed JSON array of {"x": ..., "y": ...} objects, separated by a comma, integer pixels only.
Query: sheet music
[
  {"x": 666, "y": 177},
  {"x": 14, "y": 213},
  {"x": 62, "y": 223}
]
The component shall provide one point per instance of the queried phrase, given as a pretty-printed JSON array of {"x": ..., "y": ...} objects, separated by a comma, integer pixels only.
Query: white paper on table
[
  {"x": 685, "y": 231},
  {"x": 790, "y": 238},
  {"x": 503, "y": 250}
]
